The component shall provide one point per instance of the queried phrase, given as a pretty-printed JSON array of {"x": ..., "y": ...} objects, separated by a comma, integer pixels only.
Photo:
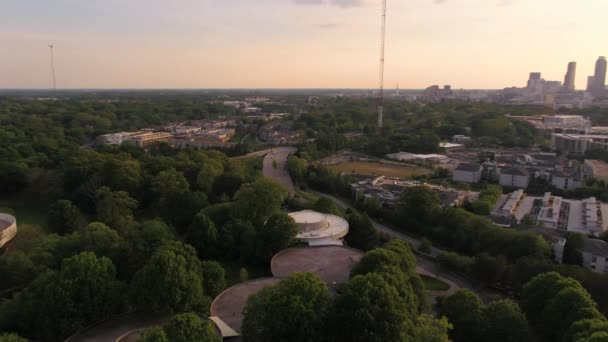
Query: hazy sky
[{"x": 296, "y": 43}]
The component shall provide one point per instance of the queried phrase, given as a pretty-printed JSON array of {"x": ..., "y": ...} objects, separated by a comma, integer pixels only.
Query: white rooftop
[{"x": 318, "y": 228}]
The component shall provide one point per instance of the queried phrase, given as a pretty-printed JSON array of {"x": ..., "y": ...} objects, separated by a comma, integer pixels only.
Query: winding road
[{"x": 423, "y": 265}]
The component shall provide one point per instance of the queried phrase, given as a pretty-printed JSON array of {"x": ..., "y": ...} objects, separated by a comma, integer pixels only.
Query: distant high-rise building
[
  {"x": 570, "y": 77},
  {"x": 599, "y": 78},
  {"x": 533, "y": 79},
  {"x": 590, "y": 81}
]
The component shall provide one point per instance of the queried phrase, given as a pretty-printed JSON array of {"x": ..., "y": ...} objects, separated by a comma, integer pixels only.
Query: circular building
[
  {"x": 228, "y": 306},
  {"x": 330, "y": 263},
  {"x": 8, "y": 228},
  {"x": 319, "y": 229}
]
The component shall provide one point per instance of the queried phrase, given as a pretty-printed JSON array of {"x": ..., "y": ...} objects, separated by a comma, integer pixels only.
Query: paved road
[{"x": 275, "y": 165}]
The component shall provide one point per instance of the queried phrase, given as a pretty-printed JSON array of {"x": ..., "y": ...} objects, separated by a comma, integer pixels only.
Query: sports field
[{"x": 389, "y": 170}]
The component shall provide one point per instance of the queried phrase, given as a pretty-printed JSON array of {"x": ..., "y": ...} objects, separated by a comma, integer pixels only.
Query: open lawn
[
  {"x": 434, "y": 284},
  {"x": 27, "y": 211},
  {"x": 389, "y": 170}
]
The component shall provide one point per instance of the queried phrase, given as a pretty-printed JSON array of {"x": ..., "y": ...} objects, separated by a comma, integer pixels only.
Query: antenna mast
[
  {"x": 381, "y": 90},
  {"x": 53, "y": 66}
]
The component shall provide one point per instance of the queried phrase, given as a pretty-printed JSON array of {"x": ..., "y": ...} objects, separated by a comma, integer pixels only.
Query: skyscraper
[
  {"x": 590, "y": 84},
  {"x": 570, "y": 77},
  {"x": 599, "y": 78},
  {"x": 533, "y": 79}
]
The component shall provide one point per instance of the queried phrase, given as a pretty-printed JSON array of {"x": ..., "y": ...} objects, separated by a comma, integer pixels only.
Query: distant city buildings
[
  {"x": 595, "y": 169},
  {"x": 597, "y": 84},
  {"x": 570, "y": 77},
  {"x": 468, "y": 173}
]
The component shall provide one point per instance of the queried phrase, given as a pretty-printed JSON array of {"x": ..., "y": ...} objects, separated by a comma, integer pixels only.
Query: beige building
[
  {"x": 8, "y": 228},
  {"x": 595, "y": 169}
]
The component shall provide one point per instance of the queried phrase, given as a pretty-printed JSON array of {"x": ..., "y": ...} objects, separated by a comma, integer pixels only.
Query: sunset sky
[{"x": 296, "y": 43}]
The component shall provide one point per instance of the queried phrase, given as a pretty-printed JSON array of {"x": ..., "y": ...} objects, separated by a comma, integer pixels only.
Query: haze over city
[{"x": 482, "y": 44}]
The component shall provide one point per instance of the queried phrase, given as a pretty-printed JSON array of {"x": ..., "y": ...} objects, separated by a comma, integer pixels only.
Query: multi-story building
[
  {"x": 587, "y": 216},
  {"x": 578, "y": 143},
  {"x": 516, "y": 177},
  {"x": 597, "y": 88},
  {"x": 146, "y": 139},
  {"x": 565, "y": 181},
  {"x": 595, "y": 255},
  {"x": 569, "y": 79},
  {"x": 469, "y": 173},
  {"x": 595, "y": 169}
]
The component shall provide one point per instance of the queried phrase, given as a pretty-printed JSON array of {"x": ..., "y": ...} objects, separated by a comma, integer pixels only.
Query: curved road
[{"x": 424, "y": 266}]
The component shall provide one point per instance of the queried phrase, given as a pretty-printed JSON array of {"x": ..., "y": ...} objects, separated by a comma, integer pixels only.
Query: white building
[
  {"x": 8, "y": 228},
  {"x": 319, "y": 229},
  {"x": 588, "y": 216},
  {"x": 515, "y": 177},
  {"x": 595, "y": 255},
  {"x": 564, "y": 181},
  {"x": 469, "y": 173}
]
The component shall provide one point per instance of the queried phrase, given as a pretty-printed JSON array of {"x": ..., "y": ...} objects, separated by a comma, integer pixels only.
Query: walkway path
[{"x": 275, "y": 165}]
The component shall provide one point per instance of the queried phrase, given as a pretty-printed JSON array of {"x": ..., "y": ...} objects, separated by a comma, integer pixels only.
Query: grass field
[
  {"x": 389, "y": 170},
  {"x": 27, "y": 211},
  {"x": 434, "y": 284}
]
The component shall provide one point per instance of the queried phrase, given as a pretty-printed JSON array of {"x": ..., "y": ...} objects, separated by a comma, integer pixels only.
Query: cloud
[
  {"x": 339, "y": 3},
  {"x": 439, "y": 2}
]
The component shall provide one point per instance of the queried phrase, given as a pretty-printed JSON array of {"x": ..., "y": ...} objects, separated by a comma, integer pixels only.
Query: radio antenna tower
[
  {"x": 381, "y": 90},
  {"x": 53, "y": 66}
]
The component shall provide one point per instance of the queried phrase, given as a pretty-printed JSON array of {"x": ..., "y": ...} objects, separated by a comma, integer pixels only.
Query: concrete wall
[
  {"x": 8, "y": 233},
  {"x": 514, "y": 181},
  {"x": 466, "y": 176}
]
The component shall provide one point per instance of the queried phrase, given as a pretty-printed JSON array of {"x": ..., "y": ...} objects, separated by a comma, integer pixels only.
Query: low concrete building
[
  {"x": 595, "y": 169},
  {"x": 516, "y": 177},
  {"x": 8, "y": 228},
  {"x": 469, "y": 173},
  {"x": 578, "y": 144},
  {"x": 565, "y": 181},
  {"x": 319, "y": 229},
  {"x": 595, "y": 255},
  {"x": 426, "y": 158}
]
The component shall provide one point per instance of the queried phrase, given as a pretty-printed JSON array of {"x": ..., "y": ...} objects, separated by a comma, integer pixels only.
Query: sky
[{"x": 478, "y": 44}]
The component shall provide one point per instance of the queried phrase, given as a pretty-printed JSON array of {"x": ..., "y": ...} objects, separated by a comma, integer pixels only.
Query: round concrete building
[
  {"x": 8, "y": 228},
  {"x": 319, "y": 229}
]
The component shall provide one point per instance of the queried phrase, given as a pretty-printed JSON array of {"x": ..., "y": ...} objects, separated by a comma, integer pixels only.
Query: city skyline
[{"x": 471, "y": 44}]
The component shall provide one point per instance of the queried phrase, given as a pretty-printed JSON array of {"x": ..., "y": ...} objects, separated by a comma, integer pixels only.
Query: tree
[
  {"x": 64, "y": 217},
  {"x": 188, "y": 327},
  {"x": 203, "y": 235},
  {"x": 505, "y": 322},
  {"x": 368, "y": 308},
  {"x": 169, "y": 182},
  {"x": 257, "y": 201},
  {"x": 429, "y": 329},
  {"x": 361, "y": 232},
  {"x": 144, "y": 240},
  {"x": 326, "y": 205},
  {"x": 374, "y": 260},
  {"x": 115, "y": 208},
  {"x": 418, "y": 207},
  {"x": 293, "y": 310},
  {"x": 156, "y": 334},
  {"x": 572, "y": 250},
  {"x": 122, "y": 175},
  {"x": 277, "y": 234},
  {"x": 407, "y": 260},
  {"x": 464, "y": 310},
  {"x": 209, "y": 171},
  {"x": 171, "y": 281},
  {"x": 214, "y": 278},
  {"x": 6, "y": 337},
  {"x": 487, "y": 269},
  {"x": 59, "y": 303}
]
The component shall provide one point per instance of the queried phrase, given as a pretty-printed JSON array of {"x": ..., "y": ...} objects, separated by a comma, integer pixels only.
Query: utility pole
[
  {"x": 53, "y": 66},
  {"x": 381, "y": 88}
]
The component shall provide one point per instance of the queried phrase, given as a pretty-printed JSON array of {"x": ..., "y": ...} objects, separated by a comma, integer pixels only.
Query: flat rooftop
[
  {"x": 330, "y": 263},
  {"x": 229, "y": 304}
]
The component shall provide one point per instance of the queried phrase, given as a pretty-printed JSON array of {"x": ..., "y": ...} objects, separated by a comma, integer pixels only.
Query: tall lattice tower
[{"x": 381, "y": 87}]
